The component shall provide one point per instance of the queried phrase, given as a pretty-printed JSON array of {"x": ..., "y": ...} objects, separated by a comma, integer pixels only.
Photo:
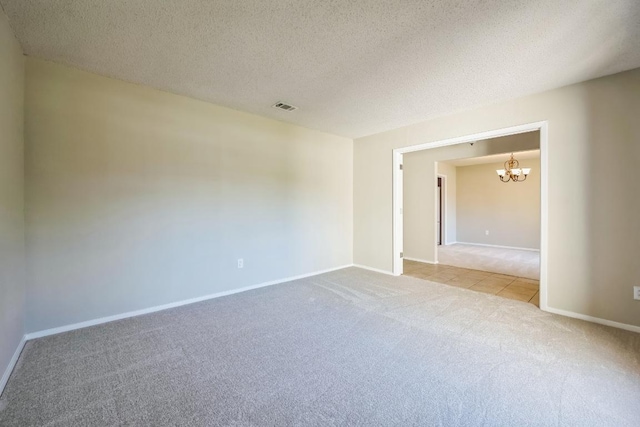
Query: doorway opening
[{"x": 443, "y": 234}]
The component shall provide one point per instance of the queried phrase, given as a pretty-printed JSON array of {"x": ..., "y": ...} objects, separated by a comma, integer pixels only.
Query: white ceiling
[
  {"x": 352, "y": 67},
  {"x": 495, "y": 158}
]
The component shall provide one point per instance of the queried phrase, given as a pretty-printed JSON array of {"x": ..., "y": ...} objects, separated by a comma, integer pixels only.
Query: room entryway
[{"x": 468, "y": 217}]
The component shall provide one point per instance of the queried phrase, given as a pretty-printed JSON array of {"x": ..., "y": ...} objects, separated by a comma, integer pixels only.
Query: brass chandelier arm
[
  {"x": 507, "y": 173},
  {"x": 511, "y": 164}
]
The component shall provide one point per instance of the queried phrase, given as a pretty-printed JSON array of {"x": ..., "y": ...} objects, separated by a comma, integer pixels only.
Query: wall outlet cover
[
  {"x": 636, "y": 292},
  {"x": 240, "y": 263}
]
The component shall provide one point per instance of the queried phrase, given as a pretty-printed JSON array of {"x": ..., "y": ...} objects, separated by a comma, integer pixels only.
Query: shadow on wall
[
  {"x": 487, "y": 147},
  {"x": 146, "y": 198}
]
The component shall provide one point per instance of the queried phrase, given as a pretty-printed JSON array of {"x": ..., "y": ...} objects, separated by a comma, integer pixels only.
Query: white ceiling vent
[{"x": 283, "y": 106}]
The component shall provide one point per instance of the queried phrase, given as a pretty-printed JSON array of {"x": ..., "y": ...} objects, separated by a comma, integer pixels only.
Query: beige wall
[
  {"x": 137, "y": 197},
  {"x": 594, "y": 148},
  {"x": 420, "y": 186},
  {"x": 509, "y": 211},
  {"x": 450, "y": 201},
  {"x": 12, "y": 282},
  {"x": 417, "y": 176}
]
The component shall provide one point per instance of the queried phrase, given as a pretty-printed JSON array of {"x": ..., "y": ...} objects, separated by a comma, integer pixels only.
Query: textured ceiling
[{"x": 352, "y": 67}]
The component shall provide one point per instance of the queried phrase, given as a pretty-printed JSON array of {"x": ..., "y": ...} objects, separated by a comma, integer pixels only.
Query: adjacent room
[
  {"x": 487, "y": 216},
  {"x": 497, "y": 225},
  {"x": 306, "y": 213}
]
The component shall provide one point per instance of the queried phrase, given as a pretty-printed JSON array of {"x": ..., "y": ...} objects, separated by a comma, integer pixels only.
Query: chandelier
[{"x": 512, "y": 171}]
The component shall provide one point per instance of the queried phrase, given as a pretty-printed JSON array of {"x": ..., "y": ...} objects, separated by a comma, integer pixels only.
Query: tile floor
[{"x": 502, "y": 285}]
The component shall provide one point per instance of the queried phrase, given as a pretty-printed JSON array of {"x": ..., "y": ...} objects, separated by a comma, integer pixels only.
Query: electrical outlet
[
  {"x": 240, "y": 263},
  {"x": 636, "y": 292},
  {"x": 486, "y": 232}
]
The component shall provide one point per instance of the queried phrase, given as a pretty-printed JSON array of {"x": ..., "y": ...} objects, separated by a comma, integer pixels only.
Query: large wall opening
[{"x": 421, "y": 243}]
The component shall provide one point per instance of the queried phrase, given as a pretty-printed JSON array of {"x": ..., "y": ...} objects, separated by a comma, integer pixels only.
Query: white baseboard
[
  {"x": 377, "y": 270},
  {"x": 592, "y": 319},
  {"x": 450, "y": 243},
  {"x": 420, "y": 260},
  {"x": 80, "y": 325},
  {"x": 498, "y": 246},
  {"x": 12, "y": 364},
  {"x": 47, "y": 332}
]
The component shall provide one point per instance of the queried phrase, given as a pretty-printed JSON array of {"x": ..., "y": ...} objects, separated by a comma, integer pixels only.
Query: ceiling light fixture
[{"x": 512, "y": 171}]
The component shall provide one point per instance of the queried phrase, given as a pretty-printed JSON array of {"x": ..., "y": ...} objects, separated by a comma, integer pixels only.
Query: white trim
[
  {"x": 592, "y": 319},
  {"x": 451, "y": 243},
  {"x": 544, "y": 213},
  {"x": 12, "y": 364},
  {"x": 128, "y": 314},
  {"x": 377, "y": 270},
  {"x": 397, "y": 213},
  {"x": 443, "y": 218},
  {"x": 435, "y": 210},
  {"x": 541, "y": 126},
  {"x": 420, "y": 260},
  {"x": 498, "y": 246}
]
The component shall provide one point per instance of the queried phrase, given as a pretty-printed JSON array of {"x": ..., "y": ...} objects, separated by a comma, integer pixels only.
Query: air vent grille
[{"x": 283, "y": 106}]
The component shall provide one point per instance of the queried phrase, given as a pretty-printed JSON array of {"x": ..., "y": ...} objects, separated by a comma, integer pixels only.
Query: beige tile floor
[{"x": 502, "y": 285}]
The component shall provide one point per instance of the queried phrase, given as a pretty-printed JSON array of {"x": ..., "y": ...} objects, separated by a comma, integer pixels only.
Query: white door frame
[
  {"x": 544, "y": 196},
  {"x": 443, "y": 218}
]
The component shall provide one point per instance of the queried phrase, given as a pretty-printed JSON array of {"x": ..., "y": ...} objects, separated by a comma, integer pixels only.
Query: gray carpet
[{"x": 350, "y": 347}]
